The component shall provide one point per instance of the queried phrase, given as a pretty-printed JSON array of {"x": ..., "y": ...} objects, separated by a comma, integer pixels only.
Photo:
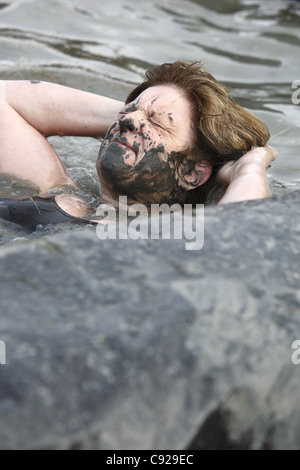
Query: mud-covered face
[{"x": 136, "y": 156}]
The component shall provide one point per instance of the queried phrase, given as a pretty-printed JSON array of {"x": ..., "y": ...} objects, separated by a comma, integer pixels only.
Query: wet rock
[{"x": 123, "y": 344}]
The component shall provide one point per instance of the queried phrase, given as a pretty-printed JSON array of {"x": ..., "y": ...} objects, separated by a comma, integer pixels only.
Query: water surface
[{"x": 105, "y": 47}]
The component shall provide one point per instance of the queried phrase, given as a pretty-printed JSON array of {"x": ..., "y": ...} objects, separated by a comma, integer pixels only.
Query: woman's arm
[
  {"x": 29, "y": 111},
  {"x": 246, "y": 178},
  {"x": 54, "y": 109}
]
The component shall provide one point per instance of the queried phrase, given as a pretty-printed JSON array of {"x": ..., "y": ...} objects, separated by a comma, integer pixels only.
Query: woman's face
[{"x": 136, "y": 156}]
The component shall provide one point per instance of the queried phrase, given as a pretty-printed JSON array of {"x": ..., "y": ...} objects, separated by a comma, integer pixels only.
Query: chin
[{"x": 140, "y": 183}]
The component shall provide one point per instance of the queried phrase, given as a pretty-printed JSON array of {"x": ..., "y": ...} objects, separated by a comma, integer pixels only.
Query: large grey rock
[{"x": 143, "y": 345}]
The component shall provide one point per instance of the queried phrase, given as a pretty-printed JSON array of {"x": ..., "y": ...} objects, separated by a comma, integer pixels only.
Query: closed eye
[{"x": 154, "y": 122}]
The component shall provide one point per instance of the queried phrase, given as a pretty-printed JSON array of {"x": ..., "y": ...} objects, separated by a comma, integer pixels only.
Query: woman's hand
[
  {"x": 246, "y": 178},
  {"x": 257, "y": 159}
]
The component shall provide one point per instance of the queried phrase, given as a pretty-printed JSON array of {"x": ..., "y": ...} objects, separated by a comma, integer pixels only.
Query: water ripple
[{"x": 252, "y": 46}]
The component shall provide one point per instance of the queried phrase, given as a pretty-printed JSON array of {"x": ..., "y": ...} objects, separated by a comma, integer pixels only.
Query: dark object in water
[{"x": 30, "y": 212}]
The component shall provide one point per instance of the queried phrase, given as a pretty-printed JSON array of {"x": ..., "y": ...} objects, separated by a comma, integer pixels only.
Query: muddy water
[{"x": 251, "y": 46}]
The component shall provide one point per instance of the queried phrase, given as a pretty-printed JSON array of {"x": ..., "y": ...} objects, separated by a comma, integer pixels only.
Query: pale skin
[{"x": 30, "y": 112}]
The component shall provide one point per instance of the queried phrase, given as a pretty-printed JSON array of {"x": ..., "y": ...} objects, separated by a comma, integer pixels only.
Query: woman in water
[{"x": 175, "y": 140}]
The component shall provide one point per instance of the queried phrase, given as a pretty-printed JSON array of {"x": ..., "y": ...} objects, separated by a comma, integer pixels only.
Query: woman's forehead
[{"x": 163, "y": 96}]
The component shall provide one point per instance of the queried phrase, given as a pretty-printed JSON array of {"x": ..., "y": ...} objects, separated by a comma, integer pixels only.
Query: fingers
[
  {"x": 265, "y": 154},
  {"x": 273, "y": 151},
  {"x": 272, "y": 154}
]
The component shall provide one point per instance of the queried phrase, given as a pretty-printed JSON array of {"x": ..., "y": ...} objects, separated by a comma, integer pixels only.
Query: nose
[{"x": 126, "y": 124}]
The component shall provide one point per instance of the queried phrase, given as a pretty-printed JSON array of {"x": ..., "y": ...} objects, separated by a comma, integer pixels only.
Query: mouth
[{"x": 124, "y": 143}]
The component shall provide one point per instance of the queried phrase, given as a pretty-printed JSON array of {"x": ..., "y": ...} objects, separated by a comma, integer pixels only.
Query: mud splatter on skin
[
  {"x": 172, "y": 156},
  {"x": 136, "y": 148},
  {"x": 151, "y": 181},
  {"x": 152, "y": 177},
  {"x": 126, "y": 124},
  {"x": 187, "y": 168},
  {"x": 111, "y": 128}
]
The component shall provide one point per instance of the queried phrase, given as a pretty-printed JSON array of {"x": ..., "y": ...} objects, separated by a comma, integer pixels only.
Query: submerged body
[{"x": 153, "y": 150}]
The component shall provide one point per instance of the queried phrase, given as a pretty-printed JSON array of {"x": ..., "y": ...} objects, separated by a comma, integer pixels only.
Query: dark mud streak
[
  {"x": 151, "y": 181},
  {"x": 126, "y": 124}
]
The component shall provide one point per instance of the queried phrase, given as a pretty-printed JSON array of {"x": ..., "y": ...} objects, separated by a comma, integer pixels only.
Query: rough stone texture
[{"x": 143, "y": 345}]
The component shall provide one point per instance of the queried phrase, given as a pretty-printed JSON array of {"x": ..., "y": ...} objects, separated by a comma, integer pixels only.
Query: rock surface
[{"x": 143, "y": 345}]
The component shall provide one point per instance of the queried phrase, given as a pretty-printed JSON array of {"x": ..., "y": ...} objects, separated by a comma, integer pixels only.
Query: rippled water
[{"x": 105, "y": 47}]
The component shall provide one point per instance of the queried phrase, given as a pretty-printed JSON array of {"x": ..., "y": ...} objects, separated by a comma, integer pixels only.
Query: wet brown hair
[{"x": 224, "y": 131}]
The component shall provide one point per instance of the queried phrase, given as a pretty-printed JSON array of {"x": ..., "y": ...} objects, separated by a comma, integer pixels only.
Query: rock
[{"x": 122, "y": 344}]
